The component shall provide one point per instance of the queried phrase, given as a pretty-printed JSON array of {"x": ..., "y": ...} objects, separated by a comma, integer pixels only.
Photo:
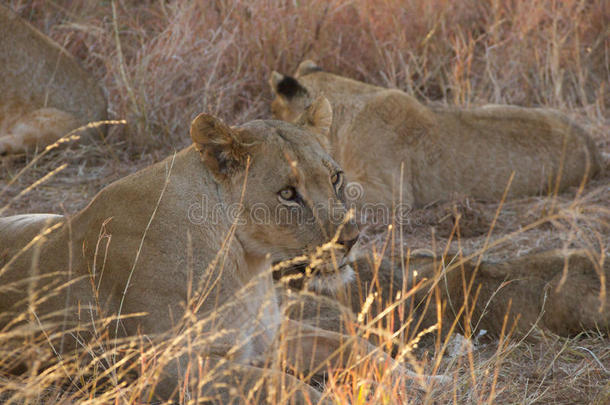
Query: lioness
[
  {"x": 565, "y": 292},
  {"x": 45, "y": 93},
  {"x": 193, "y": 220},
  {"x": 380, "y": 136}
]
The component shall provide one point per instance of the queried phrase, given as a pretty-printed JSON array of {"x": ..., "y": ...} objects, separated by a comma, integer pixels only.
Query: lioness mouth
[
  {"x": 322, "y": 278},
  {"x": 332, "y": 281}
]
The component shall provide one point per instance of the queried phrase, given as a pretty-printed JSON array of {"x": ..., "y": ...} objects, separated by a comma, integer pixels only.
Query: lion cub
[{"x": 388, "y": 141}]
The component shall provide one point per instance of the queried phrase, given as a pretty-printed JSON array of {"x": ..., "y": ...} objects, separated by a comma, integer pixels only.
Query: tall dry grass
[{"x": 161, "y": 63}]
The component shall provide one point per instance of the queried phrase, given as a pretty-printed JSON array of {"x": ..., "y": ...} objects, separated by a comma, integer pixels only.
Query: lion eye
[
  {"x": 288, "y": 194},
  {"x": 337, "y": 180}
]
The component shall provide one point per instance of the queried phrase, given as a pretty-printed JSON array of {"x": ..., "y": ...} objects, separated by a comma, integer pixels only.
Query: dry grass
[
  {"x": 172, "y": 60},
  {"x": 161, "y": 63}
]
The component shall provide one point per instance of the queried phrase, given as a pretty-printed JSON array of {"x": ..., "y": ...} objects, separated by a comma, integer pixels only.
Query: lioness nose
[{"x": 349, "y": 234}]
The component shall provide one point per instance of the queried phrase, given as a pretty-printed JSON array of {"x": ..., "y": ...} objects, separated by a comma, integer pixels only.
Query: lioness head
[{"x": 290, "y": 191}]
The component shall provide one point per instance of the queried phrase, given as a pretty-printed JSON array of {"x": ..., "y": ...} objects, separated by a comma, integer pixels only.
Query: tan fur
[
  {"x": 442, "y": 150},
  {"x": 152, "y": 225},
  {"x": 529, "y": 291},
  {"x": 35, "y": 130},
  {"x": 45, "y": 93}
]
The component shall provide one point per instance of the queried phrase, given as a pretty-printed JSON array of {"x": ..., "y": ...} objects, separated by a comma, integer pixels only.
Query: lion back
[{"x": 17, "y": 231}]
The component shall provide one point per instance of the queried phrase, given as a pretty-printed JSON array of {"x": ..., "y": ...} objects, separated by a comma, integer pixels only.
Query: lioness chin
[
  {"x": 389, "y": 142},
  {"x": 186, "y": 236}
]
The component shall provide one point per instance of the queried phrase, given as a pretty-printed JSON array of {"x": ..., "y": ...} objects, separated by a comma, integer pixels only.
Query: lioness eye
[
  {"x": 288, "y": 193},
  {"x": 337, "y": 180}
]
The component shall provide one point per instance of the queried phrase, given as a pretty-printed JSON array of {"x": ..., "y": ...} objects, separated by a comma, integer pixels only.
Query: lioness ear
[
  {"x": 306, "y": 67},
  {"x": 286, "y": 86},
  {"x": 220, "y": 149},
  {"x": 318, "y": 118},
  {"x": 275, "y": 79}
]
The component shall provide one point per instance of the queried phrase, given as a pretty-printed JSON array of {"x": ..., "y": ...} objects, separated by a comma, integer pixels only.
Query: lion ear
[
  {"x": 306, "y": 67},
  {"x": 318, "y": 118},
  {"x": 274, "y": 80},
  {"x": 286, "y": 86},
  {"x": 219, "y": 146}
]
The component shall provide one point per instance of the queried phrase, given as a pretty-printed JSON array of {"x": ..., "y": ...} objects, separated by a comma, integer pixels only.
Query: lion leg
[
  {"x": 37, "y": 129},
  {"x": 222, "y": 381},
  {"x": 576, "y": 304},
  {"x": 9, "y": 144}
]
